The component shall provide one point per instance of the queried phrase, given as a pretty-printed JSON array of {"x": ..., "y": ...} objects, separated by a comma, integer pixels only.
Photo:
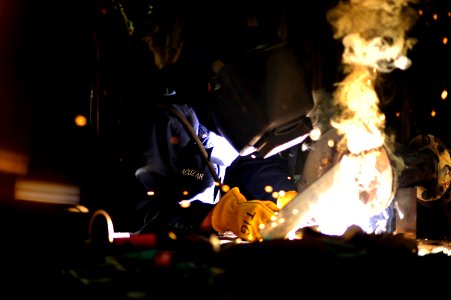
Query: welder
[{"x": 243, "y": 91}]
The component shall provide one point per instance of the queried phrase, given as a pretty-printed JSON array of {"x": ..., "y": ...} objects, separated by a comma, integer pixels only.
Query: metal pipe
[
  {"x": 296, "y": 212},
  {"x": 417, "y": 168},
  {"x": 424, "y": 165}
]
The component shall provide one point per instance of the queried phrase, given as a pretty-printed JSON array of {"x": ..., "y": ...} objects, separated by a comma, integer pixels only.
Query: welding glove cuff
[
  {"x": 234, "y": 213},
  {"x": 285, "y": 197}
]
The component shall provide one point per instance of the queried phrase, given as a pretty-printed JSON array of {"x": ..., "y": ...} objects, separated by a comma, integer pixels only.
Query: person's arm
[
  {"x": 245, "y": 218},
  {"x": 248, "y": 177},
  {"x": 167, "y": 177},
  {"x": 253, "y": 174}
]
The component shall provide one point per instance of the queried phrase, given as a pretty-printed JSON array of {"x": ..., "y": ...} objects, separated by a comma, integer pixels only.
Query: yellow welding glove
[
  {"x": 234, "y": 213},
  {"x": 285, "y": 197}
]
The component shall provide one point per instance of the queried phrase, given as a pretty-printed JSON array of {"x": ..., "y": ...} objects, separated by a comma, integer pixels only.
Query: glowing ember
[
  {"x": 362, "y": 189},
  {"x": 355, "y": 191}
]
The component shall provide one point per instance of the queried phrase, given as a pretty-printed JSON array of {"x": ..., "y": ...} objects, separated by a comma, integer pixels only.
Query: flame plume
[
  {"x": 373, "y": 34},
  {"x": 359, "y": 189}
]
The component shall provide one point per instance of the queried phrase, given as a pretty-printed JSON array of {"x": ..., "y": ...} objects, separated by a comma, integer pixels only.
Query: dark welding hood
[{"x": 261, "y": 100}]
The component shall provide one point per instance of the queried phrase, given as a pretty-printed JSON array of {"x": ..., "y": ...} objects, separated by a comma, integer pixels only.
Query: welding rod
[{"x": 298, "y": 210}]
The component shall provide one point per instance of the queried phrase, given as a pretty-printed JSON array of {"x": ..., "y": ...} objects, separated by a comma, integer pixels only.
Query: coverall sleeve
[{"x": 253, "y": 173}]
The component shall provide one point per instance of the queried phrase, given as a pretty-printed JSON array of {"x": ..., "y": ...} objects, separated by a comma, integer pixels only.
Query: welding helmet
[{"x": 261, "y": 98}]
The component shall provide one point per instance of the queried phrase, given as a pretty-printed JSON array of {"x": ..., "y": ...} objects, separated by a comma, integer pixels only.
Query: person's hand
[
  {"x": 285, "y": 197},
  {"x": 234, "y": 213}
]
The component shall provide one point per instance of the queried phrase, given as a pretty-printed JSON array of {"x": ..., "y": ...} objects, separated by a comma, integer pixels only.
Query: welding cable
[
  {"x": 189, "y": 128},
  {"x": 101, "y": 228}
]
